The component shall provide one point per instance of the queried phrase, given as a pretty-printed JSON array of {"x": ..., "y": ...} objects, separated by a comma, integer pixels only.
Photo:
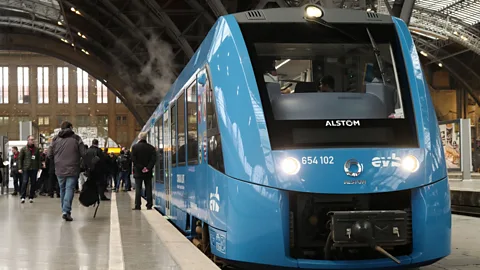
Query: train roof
[{"x": 297, "y": 15}]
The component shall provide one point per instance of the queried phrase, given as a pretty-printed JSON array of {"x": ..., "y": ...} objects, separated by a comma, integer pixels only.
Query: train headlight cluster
[
  {"x": 290, "y": 166},
  {"x": 312, "y": 12},
  {"x": 410, "y": 163}
]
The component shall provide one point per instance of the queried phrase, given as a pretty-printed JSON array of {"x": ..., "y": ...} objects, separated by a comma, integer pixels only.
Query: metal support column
[
  {"x": 466, "y": 149},
  {"x": 397, "y": 8},
  {"x": 407, "y": 9},
  {"x": 403, "y": 9}
]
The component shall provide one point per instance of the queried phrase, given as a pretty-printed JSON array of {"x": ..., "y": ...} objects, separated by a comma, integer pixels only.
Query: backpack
[
  {"x": 91, "y": 161},
  {"x": 89, "y": 195}
]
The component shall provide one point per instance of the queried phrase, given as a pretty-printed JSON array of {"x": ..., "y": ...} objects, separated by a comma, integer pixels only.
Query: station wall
[{"x": 47, "y": 110}]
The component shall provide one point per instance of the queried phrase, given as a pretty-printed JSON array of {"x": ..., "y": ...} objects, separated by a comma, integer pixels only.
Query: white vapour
[{"x": 157, "y": 71}]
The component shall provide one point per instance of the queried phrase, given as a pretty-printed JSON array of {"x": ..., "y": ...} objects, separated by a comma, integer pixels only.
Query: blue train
[{"x": 304, "y": 138}]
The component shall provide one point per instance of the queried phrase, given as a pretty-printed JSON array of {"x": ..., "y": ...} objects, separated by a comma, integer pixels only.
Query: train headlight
[
  {"x": 313, "y": 12},
  {"x": 410, "y": 163},
  {"x": 290, "y": 166}
]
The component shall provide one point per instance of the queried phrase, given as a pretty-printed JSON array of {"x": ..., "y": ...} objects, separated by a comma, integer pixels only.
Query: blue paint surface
[{"x": 247, "y": 208}]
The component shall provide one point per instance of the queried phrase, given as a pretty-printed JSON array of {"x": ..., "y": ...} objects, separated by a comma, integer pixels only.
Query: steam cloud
[
  {"x": 158, "y": 71},
  {"x": 155, "y": 77}
]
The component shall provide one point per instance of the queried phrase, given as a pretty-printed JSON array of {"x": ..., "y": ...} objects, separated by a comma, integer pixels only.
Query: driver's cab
[{"x": 319, "y": 72}]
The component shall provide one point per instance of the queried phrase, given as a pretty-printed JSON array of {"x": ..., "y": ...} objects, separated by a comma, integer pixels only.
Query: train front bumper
[{"x": 258, "y": 229}]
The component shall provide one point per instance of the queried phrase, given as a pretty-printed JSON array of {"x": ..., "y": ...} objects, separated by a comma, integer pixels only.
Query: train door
[
  {"x": 202, "y": 185},
  {"x": 167, "y": 160},
  {"x": 159, "y": 166}
]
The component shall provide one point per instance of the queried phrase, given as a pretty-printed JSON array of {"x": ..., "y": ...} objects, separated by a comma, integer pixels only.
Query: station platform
[
  {"x": 465, "y": 196},
  {"x": 34, "y": 236}
]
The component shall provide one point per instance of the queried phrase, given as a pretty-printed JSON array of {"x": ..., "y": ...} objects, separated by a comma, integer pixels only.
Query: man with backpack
[
  {"x": 123, "y": 162},
  {"x": 66, "y": 150},
  {"x": 96, "y": 164}
]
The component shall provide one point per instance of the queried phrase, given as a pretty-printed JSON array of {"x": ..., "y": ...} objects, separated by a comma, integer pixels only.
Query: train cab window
[
  {"x": 192, "y": 124},
  {"x": 173, "y": 125},
  {"x": 331, "y": 87},
  {"x": 181, "y": 130}
]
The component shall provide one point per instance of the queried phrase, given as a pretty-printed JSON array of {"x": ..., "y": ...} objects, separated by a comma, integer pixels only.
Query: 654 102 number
[{"x": 324, "y": 160}]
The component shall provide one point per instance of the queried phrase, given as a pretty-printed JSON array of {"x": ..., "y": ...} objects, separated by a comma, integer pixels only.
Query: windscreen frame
[{"x": 403, "y": 133}]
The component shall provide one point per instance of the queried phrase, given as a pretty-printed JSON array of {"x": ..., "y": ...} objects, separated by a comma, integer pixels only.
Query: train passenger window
[
  {"x": 192, "y": 124},
  {"x": 173, "y": 120},
  {"x": 211, "y": 113},
  {"x": 319, "y": 74},
  {"x": 181, "y": 129}
]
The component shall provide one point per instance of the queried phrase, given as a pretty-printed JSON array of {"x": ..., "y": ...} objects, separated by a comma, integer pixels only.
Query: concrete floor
[
  {"x": 34, "y": 236},
  {"x": 465, "y": 246}
]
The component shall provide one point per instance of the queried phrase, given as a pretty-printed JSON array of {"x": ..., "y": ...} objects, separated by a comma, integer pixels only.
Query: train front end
[{"x": 350, "y": 173}]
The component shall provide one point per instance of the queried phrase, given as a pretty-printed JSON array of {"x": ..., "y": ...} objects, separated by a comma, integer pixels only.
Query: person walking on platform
[
  {"x": 17, "y": 177},
  {"x": 123, "y": 162},
  {"x": 97, "y": 171},
  {"x": 28, "y": 165},
  {"x": 143, "y": 158},
  {"x": 53, "y": 187},
  {"x": 66, "y": 150}
]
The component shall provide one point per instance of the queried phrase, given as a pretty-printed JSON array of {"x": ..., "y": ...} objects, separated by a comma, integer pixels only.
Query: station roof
[
  {"x": 467, "y": 11},
  {"x": 137, "y": 47}
]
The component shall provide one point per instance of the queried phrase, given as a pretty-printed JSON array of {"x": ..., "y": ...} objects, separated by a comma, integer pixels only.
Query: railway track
[{"x": 466, "y": 210}]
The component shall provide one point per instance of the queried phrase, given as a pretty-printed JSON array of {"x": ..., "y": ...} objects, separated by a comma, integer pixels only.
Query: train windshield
[{"x": 332, "y": 86}]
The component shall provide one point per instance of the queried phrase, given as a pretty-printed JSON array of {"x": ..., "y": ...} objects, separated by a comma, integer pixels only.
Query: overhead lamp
[
  {"x": 440, "y": 64},
  {"x": 283, "y": 63},
  {"x": 423, "y": 53},
  {"x": 59, "y": 23},
  {"x": 312, "y": 11},
  {"x": 85, "y": 52},
  {"x": 64, "y": 40},
  {"x": 79, "y": 34}
]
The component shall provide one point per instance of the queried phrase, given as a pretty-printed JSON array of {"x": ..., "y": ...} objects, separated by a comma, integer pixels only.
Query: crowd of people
[{"x": 68, "y": 163}]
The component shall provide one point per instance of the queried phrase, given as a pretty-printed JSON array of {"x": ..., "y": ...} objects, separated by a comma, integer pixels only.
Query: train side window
[
  {"x": 160, "y": 165},
  {"x": 211, "y": 113},
  {"x": 173, "y": 125},
  {"x": 181, "y": 130},
  {"x": 214, "y": 143},
  {"x": 192, "y": 124}
]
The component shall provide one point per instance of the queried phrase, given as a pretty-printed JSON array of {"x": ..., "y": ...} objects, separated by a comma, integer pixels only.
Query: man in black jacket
[
  {"x": 97, "y": 170},
  {"x": 17, "y": 177},
  {"x": 143, "y": 158}
]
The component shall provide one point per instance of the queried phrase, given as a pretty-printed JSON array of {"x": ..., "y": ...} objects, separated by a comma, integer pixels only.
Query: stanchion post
[{"x": 466, "y": 149}]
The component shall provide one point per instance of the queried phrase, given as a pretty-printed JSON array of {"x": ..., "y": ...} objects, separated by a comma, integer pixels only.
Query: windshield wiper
[
  {"x": 376, "y": 51},
  {"x": 373, "y": 46}
]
